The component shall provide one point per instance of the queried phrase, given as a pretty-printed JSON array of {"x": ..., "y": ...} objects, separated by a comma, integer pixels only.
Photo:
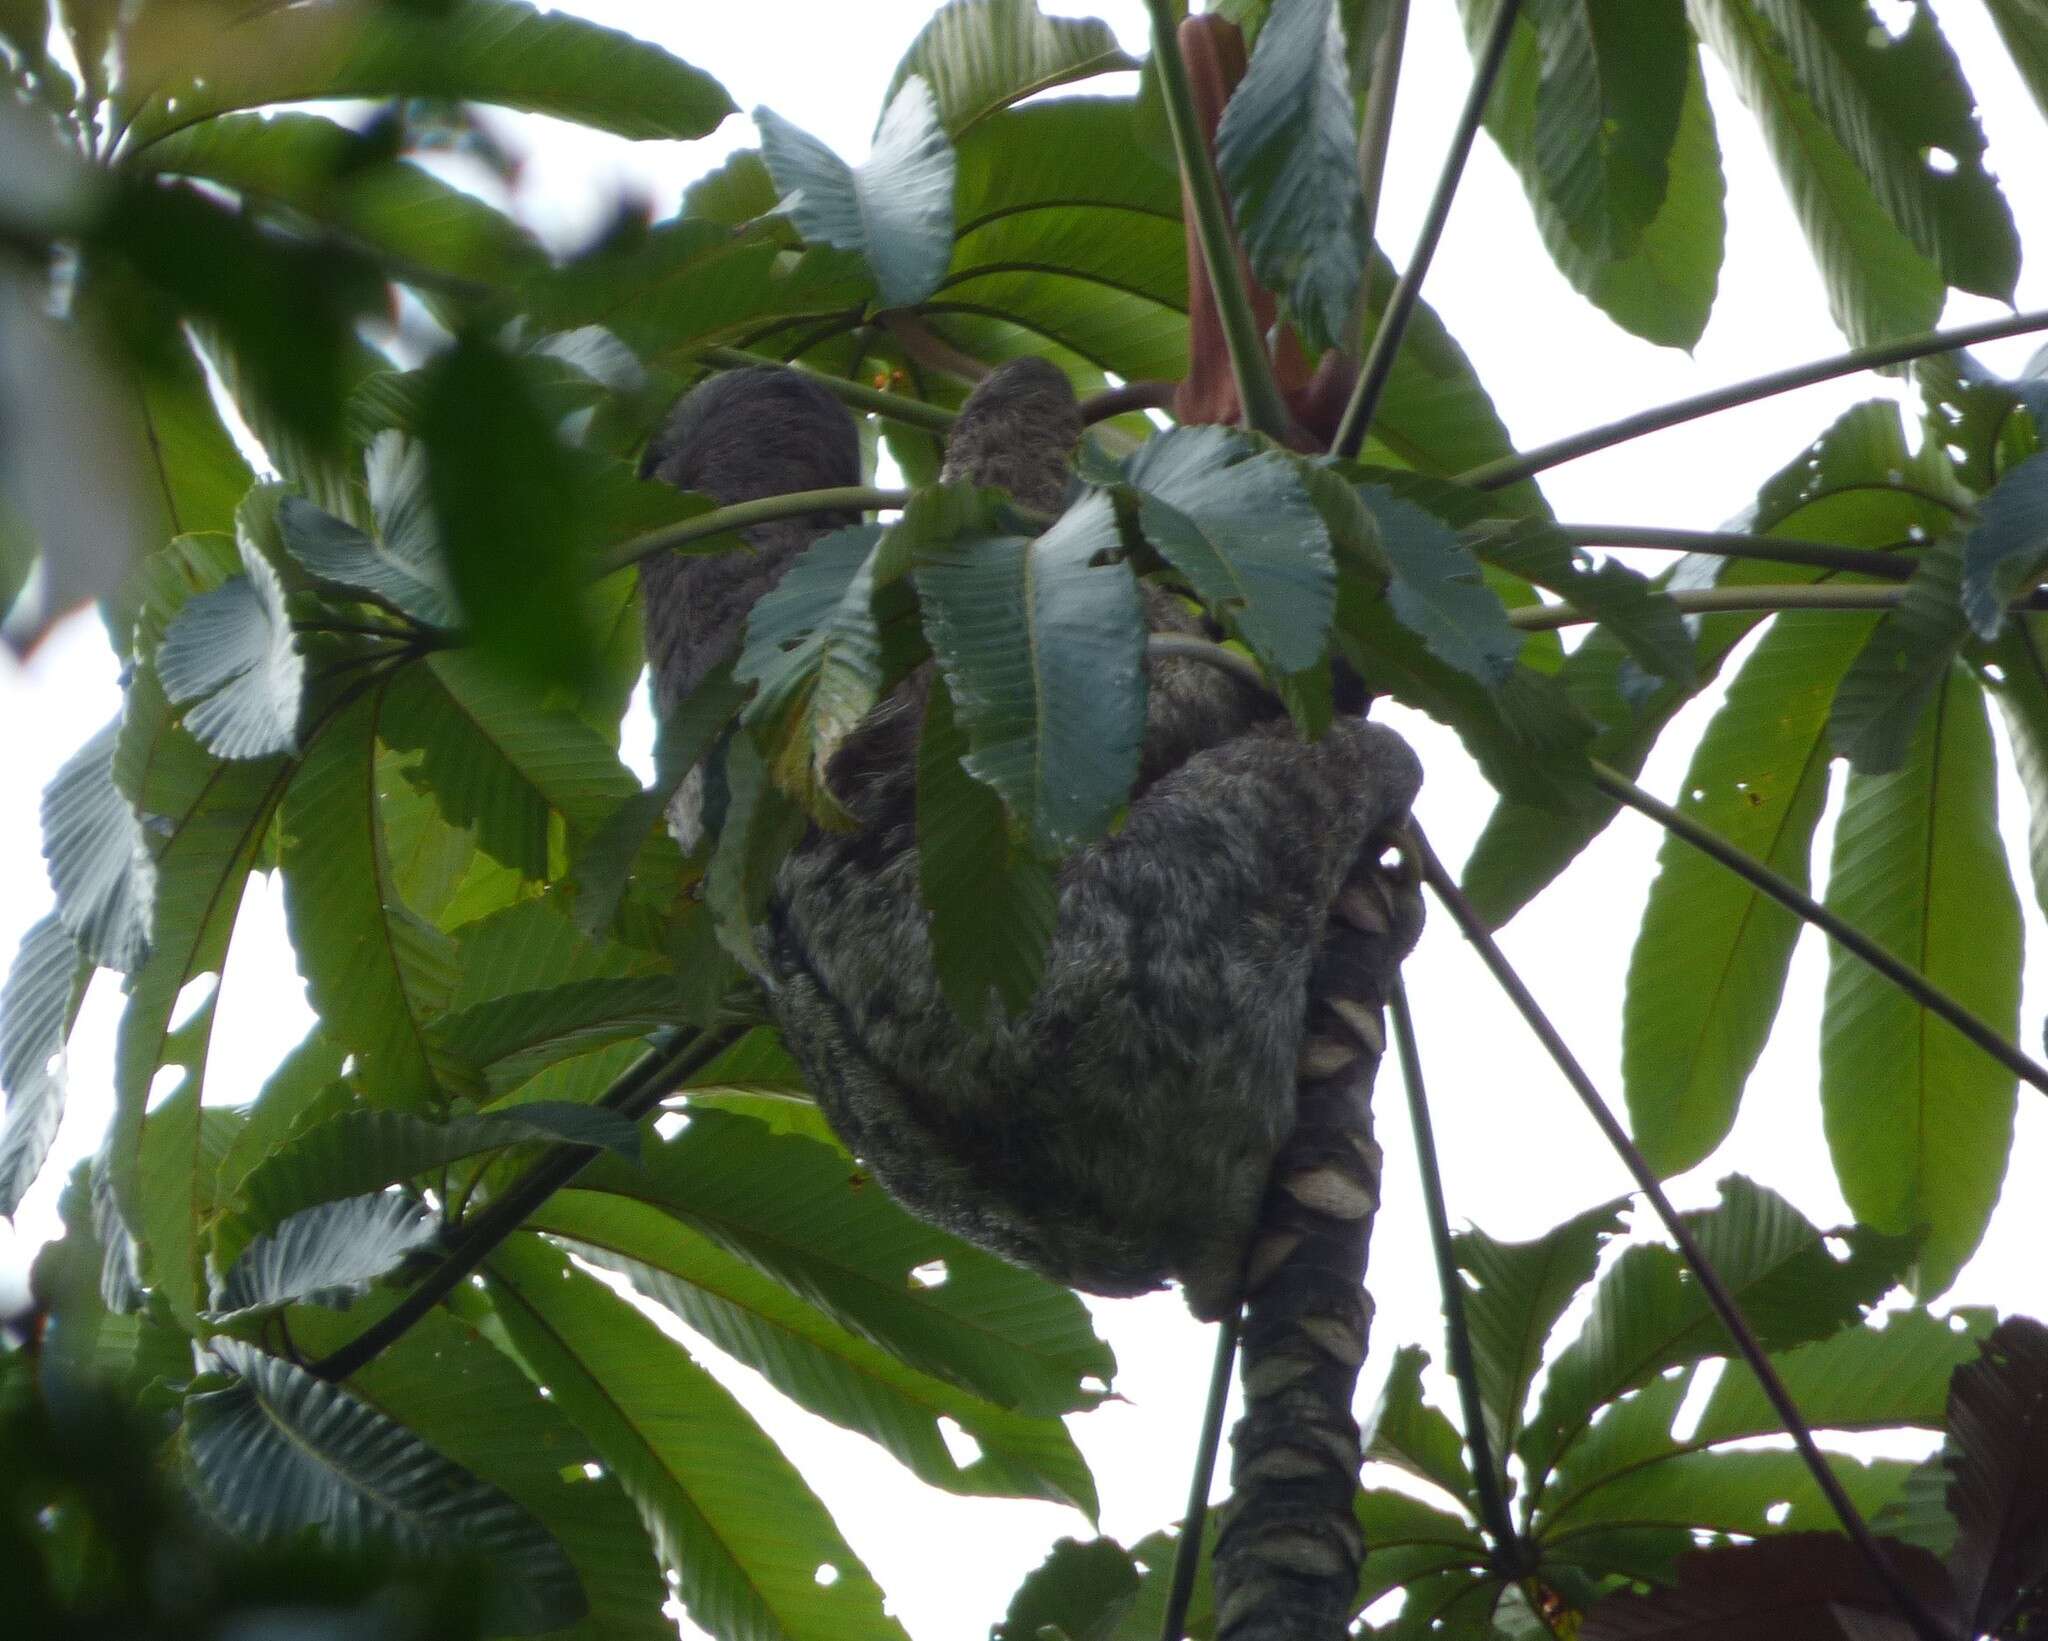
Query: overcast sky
[{"x": 1518, "y": 1154}]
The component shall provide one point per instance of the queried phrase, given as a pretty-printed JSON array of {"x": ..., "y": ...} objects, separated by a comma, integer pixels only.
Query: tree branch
[
  {"x": 1737, "y": 544},
  {"x": 1187, "y": 1553},
  {"x": 743, "y": 515},
  {"x": 892, "y": 407},
  {"x": 1513, "y": 469}
]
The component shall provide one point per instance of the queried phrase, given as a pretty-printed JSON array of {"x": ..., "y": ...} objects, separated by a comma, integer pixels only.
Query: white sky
[{"x": 1518, "y": 1154}]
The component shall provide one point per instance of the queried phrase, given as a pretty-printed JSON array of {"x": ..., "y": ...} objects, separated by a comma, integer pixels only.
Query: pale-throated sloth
[{"x": 1119, "y": 1131}]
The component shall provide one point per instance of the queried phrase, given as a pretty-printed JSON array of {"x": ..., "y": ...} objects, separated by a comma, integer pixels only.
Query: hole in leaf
[
  {"x": 931, "y": 1274},
  {"x": 827, "y": 1574},
  {"x": 962, "y": 1448}
]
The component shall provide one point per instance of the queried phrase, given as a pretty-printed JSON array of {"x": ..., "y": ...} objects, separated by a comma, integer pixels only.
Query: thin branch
[
  {"x": 893, "y": 407},
  {"x": 1909, "y": 1604},
  {"x": 1257, "y": 392},
  {"x": 1509, "y": 1553},
  {"x": 672, "y": 1057},
  {"x": 1513, "y": 469},
  {"x": 1386, "y": 341},
  {"x": 1375, "y": 137},
  {"x": 1187, "y": 1553},
  {"x": 1915, "y": 985},
  {"x": 1117, "y": 401},
  {"x": 1798, "y": 595},
  {"x": 743, "y": 515},
  {"x": 1823, "y": 555},
  {"x": 1175, "y": 646}
]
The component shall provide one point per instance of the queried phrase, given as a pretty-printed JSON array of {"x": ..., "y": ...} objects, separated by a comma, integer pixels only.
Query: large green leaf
[
  {"x": 1040, "y": 641},
  {"x": 326, "y": 1255},
  {"x": 471, "y": 1402},
  {"x": 1649, "y": 1314},
  {"x": 280, "y": 1451},
  {"x": 1883, "y": 697},
  {"x": 1879, "y": 283},
  {"x": 1710, "y": 958},
  {"x": 1602, "y": 110},
  {"x": 1287, "y": 149},
  {"x": 309, "y": 167},
  {"x": 375, "y": 970},
  {"x": 2023, "y": 25},
  {"x": 993, "y": 903},
  {"x": 1520, "y": 1289},
  {"x": 98, "y": 863},
  {"x": 1898, "y": 104},
  {"x": 827, "y": 1368},
  {"x": 1408, "y": 1433},
  {"x": 1919, "y": 1120},
  {"x": 1244, "y": 530},
  {"x": 403, "y": 570},
  {"x": 980, "y": 56},
  {"x": 37, "y": 1007},
  {"x": 895, "y": 209},
  {"x": 802, "y": 1213},
  {"x": 488, "y": 51},
  {"x": 729, "y": 1514},
  {"x": 1438, "y": 592},
  {"x": 2018, "y": 679},
  {"x": 506, "y": 1041}
]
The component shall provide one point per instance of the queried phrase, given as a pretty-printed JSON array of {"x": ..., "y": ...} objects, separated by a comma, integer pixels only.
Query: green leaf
[
  {"x": 302, "y": 1087},
  {"x": 326, "y": 1255},
  {"x": 800, "y": 1212},
  {"x": 1438, "y": 592},
  {"x": 1287, "y": 149},
  {"x": 1900, "y": 107},
  {"x": 403, "y": 572},
  {"x": 829, "y": 1369},
  {"x": 2018, "y": 679},
  {"x": 485, "y": 51},
  {"x": 1650, "y": 1314},
  {"x": 303, "y": 167},
  {"x": 2004, "y": 553},
  {"x": 895, "y": 209},
  {"x": 1710, "y": 959},
  {"x": 1919, "y": 1120},
  {"x": 1519, "y": 1291},
  {"x": 1078, "y": 1592},
  {"x": 1405, "y": 1431},
  {"x": 980, "y": 56},
  {"x": 1040, "y": 642},
  {"x": 1879, "y": 283},
  {"x": 375, "y": 971},
  {"x": 760, "y": 827},
  {"x": 1997, "y": 1452},
  {"x": 37, "y": 1007},
  {"x": 1884, "y": 695},
  {"x": 1243, "y": 528},
  {"x": 993, "y": 903},
  {"x": 2023, "y": 26},
  {"x": 814, "y": 650},
  {"x": 98, "y": 861},
  {"x": 728, "y": 1513},
  {"x": 356, "y": 1152},
  {"x": 229, "y": 659},
  {"x": 280, "y": 1451},
  {"x": 472, "y": 1403},
  {"x": 508, "y": 1040}
]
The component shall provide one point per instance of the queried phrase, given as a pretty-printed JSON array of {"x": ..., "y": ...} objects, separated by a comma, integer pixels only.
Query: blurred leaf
[
  {"x": 37, "y": 1007},
  {"x": 760, "y": 827},
  {"x": 375, "y": 971},
  {"x": 1880, "y": 284},
  {"x": 1919, "y": 1120},
  {"x": 2023, "y": 26},
  {"x": 895, "y": 209},
  {"x": 1518, "y": 1292},
  {"x": 980, "y": 56},
  {"x": 1287, "y": 150},
  {"x": 2003, "y": 554},
  {"x": 280, "y": 1451},
  {"x": 99, "y": 863},
  {"x": 1040, "y": 642},
  {"x": 1078, "y": 1592},
  {"x": 504, "y": 493},
  {"x": 1708, "y": 967},
  {"x": 2018, "y": 678},
  {"x": 803, "y": 1214},
  {"x": 1998, "y": 1460},
  {"x": 992, "y": 902},
  {"x": 486, "y": 51},
  {"x": 229, "y": 659},
  {"x": 728, "y": 1513},
  {"x": 326, "y": 1255},
  {"x": 1243, "y": 528}
]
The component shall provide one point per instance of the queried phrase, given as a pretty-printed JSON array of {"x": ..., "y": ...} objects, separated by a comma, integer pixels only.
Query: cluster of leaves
[
  {"x": 1642, "y": 1440},
  {"x": 395, "y": 676}
]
